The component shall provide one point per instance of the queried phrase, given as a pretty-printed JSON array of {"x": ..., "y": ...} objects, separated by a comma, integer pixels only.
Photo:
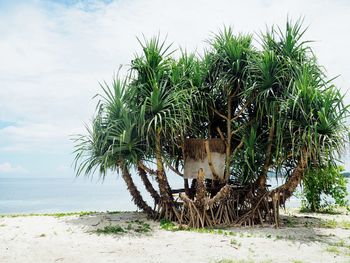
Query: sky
[{"x": 54, "y": 54}]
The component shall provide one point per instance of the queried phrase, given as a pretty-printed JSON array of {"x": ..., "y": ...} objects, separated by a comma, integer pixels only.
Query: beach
[{"x": 80, "y": 238}]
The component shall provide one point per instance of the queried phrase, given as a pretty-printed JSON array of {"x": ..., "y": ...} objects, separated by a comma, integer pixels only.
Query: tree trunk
[
  {"x": 164, "y": 188},
  {"x": 263, "y": 177},
  {"x": 148, "y": 185},
  {"x": 210, "y": 161},
  {"x": 228, "y": 138},
  {"x": 286, "y": 190},
  {"x": 167, "y": 204},
  {"x": 135, "y": 193},
  {"x": 201, "y": 189}
]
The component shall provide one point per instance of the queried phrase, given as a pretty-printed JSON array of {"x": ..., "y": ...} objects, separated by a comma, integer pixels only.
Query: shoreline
[{"x": 131, "y": 237}]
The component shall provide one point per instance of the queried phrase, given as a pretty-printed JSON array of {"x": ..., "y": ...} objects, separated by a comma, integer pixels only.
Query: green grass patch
[
  {"x": 344, "y": 224},
  {"x": 329, "y": 224},
  {"x": 82, "y": 213},
  {"x": 115, "y": 230},
  {"x": 135, "y": 226},
  {"x": 335, "y": 224},
  {"x": 139, "y": 226},
  {"x": 235, "y": 242},
  {"x": 290, "y": 222},
  {"x": 333, "y": 250},
  {"x": 170, "y": 226},
  {"x": 235, "y": 261},
  {"x": 329, "y": 210},
  {"x": 241, "y": 261}
]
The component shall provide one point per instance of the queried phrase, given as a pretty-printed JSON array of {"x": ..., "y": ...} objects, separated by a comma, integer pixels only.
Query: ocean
[{"x": 53, "y": 195}]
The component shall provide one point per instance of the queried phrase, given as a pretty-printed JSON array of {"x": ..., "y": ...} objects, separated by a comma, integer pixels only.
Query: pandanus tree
[
  {"x": 225, "y": 79},
  {"x": 143, "y": 118},
  {"x": 300, "y": 115},
  {"x": 157, "y": 91},
  {"x": 272, "y": 106},
  {"x": 113, "y": 142}
]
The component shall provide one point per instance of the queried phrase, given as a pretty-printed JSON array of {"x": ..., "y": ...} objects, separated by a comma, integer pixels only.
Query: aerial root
[{"x": 227, "y": 208}]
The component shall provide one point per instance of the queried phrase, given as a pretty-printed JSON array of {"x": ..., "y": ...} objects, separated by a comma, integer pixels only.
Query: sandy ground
[{"x": 303, "y": 238}]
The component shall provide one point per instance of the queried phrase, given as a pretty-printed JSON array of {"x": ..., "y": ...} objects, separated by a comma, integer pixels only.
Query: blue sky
[{"x": 54, "y": 53}]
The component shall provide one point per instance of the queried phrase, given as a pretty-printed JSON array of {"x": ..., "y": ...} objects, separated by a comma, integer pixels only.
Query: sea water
[{"x": 51, "y": 195}]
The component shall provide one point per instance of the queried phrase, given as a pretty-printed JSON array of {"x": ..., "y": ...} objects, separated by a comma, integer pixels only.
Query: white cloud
[
  {"x": 26, "y": 137},
  {"x": 7, "y": 168}
]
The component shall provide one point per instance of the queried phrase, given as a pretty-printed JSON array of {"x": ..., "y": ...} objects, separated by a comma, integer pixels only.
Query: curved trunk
[
  {"x": 148, "y": 185},
  {"x": 164, "y": 188},
  {"x": 285, "y": 191},
  {"x": 135, "y": 193},
  {"x": 263, "y": 177},
  {"x": 167, "y": 204}
]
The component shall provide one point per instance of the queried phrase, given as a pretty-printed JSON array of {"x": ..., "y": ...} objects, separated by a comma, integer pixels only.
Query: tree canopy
[{"x": 271, "y": 103}]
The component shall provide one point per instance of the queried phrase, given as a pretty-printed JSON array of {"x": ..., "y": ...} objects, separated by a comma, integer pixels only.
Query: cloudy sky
[{"x": 54, "y": 53}]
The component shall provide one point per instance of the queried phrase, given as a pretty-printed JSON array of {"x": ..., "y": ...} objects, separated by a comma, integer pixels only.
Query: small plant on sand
[
  {"x": 170, "y": 226},
  {"x": 333, "y": 249},
  {"x": 82, "y": 213},
  {"x": 111, "y": 230},
  {"x": 235, "y": 261},
  {"x": 329, "y": 224},
  {"x": 344, "y": 224},
  {"x": 290, "y": 222},
  {"x": 167, "y": 225},
  {"x": 142, "y": 227},
  {"x": 235, "y": 242}
]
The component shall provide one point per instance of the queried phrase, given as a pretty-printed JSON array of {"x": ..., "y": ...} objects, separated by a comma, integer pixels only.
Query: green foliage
[
  {"x": 170, "y": 226},
  {"x": 135, "y": 226},
  {"x": 285, "y": 110},
  {"x": 234, "y": 261},
  {"x": 333, "y": 249},
  {"x": 139, "y": 226},
  {"x": 322, "y": 183},
  {"x": 235, "y": 242},
  {"x": 167, "y": 225},
  {"x": 111, "y": 230}
]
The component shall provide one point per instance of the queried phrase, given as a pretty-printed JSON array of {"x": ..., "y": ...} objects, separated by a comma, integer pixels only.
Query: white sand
[{"x": 72, "y": 239}]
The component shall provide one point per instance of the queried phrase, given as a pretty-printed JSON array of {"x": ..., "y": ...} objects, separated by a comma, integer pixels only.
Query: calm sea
[{"x": 49, "y": 195}]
